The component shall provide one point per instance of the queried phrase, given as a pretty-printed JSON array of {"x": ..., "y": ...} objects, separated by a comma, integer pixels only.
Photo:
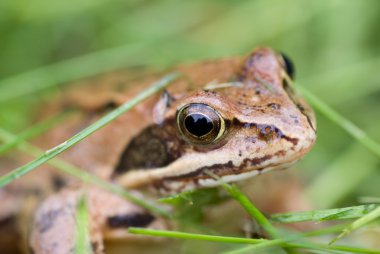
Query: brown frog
[{"x": 234, "y": 118}]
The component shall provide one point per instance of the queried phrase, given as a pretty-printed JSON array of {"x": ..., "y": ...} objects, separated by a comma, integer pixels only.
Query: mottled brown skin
[{"x": 267, "y": 127}]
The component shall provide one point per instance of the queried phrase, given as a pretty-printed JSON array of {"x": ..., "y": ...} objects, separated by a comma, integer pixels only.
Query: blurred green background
[{"x": 335, "y": 45}]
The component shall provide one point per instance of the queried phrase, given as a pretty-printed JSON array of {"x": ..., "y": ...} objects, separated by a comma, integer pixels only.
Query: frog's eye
[
  {"x": 200, "y": 124},
  {"x": 288, "y": 65}
]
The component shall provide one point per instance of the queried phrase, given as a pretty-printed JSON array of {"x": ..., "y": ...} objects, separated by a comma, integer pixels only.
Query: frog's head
[{"x": 235, "y": 129}]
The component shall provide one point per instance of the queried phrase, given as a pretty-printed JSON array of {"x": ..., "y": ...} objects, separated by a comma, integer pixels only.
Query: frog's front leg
[{"x": 55, "y": 225}]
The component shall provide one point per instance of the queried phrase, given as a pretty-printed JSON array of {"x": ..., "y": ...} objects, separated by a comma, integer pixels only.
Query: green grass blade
[
  {"x": 82, "y": 237},
  {"x": 34, "y": 131},
  {"x": 323, "y": 231},
  {"x": 341, "y": 121},
  {"x": 373, "y": 215},
  {"x": 339, "y": 248},
  {"x": 262, "y": 246},
  {"x": 193, "y": 236},
  {"x": 302, "y": 245},
  {"x": 326, "y": 230},
  {"x": 258, "y": 244},
  {"x": 324, "y": 215},
  {"x": 255, "y": 213},
  {"x": 48, "y": 155},
  {"x": 87, "y": 177}
]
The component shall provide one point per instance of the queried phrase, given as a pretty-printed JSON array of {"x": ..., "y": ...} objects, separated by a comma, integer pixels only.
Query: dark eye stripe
[{"x": 155, "y": 146}]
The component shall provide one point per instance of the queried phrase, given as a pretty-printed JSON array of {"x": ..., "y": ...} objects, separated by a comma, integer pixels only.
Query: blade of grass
[
  {"x": 34, "y": 131},
  {"x": 193, "y": 236},
  {"x": 341, "y": 121},
  {"x": 373, "y": 215},
  {"x": 87, "y": 177},
  {"x": 263, "y": 246},
  {"x": 339, "y": 248},
  {"x": 295, "y": 237},
  {"x": 314, "y": 246},
  {"x": 82, "y": 237},
  {"x": 326, "y": 230},
  {"x": 48, "y": 155},
  {"x": 308, "y": 246},
  {"x": 257, "y": 243},
  {"x": 255, "y": 213},
  {"x": 262, "y": 220},
  {"x": 324, "y": 215},
  {"x": 263, "y": 243}
]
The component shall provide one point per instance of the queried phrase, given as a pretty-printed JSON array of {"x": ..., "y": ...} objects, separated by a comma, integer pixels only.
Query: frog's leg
[{"x": 109, "y": 216}]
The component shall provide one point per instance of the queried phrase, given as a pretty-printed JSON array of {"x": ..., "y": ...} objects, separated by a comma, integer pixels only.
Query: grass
[
  {"x": 82, "y": 239},
  {"x": 337, "y": 64},
  {"x": 366, "y": 213},
  {"x": 258, "y": 244},
  {"x": 243, "y": 200},
  {"x": 366, "y": 219},
  {"x": 325, "y": 215}
]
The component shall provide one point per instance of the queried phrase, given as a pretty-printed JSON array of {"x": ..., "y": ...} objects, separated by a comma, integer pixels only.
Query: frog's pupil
[{"x": 198, "y": 124}]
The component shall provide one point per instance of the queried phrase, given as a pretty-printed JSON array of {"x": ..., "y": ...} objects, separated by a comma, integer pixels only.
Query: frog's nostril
[{"x": 289, "y": 66}]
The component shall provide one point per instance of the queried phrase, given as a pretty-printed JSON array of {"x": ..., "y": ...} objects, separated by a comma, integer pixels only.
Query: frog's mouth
[
  {"x": 222, "y": 170},
  {"x": 203, "y": 177},
  {"x": 193, "y": 172}
]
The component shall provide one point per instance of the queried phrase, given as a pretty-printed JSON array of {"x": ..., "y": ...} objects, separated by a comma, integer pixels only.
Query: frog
[{"x": 224, "y": 120}]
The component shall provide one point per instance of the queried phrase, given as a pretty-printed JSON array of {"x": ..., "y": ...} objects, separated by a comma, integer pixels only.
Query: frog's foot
[{"x": 109, "y": 216}]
